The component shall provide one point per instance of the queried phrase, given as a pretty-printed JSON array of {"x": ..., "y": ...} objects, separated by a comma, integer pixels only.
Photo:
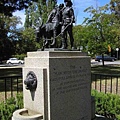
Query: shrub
[
  {"x": 107, "y": 104},
  {"x": 7, "y": 108}
]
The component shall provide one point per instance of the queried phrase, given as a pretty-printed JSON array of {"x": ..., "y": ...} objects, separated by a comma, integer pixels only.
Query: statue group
[{"x": 60, "y": 22}]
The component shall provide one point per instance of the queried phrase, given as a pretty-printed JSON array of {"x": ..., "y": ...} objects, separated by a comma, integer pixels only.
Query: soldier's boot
[{"x": 63, "y": 44}]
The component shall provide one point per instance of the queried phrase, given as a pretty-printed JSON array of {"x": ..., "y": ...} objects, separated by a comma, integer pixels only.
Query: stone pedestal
[{"x": 63, "y": 85}]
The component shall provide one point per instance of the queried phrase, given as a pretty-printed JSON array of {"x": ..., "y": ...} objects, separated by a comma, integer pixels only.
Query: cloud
[
  {"x": 79, "y": 7},
  {"x": 83, "y": 3},
  {"x": 20, "y": 14}
]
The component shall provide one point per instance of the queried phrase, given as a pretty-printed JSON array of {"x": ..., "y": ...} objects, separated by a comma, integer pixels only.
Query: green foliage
[
  {"x": 8, "y": 33},
  {"x": 27, "y": 42},
  {"x": 107, "y": 104},
  {"x": 10, "y": 6},
  {"x": 20, "y": 57},
  {"x": 103, "y": 29},
  {"x": 7, "y": 108},
  {"x": 80, "y": 36}
]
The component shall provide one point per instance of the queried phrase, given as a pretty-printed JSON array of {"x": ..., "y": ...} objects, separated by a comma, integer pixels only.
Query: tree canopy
[
  {"x": 99, "y": 33},
  {"x": 7, "y": 7}
]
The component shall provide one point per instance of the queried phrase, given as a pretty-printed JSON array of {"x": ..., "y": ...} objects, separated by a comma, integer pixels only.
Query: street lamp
[
  {"x": 81, "y": 48},
  {"x": 117, "y": 49}
]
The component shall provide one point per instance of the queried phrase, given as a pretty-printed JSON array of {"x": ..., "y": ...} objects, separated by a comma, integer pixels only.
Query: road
[
  {"x": 4, "y": 66},
  {"x": 93, "y": 62}
]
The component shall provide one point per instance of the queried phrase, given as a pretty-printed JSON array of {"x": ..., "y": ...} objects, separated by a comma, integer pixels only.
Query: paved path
[
  {"x": 99, "y": 117},
  {"x": 5, "y": 66},
  {"x": 93, "y": 62}
]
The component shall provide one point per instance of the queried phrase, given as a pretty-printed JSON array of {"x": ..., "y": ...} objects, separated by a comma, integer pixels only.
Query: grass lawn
[
  {"x": 107, "y": 69},
  {"x": 10, "y": 71},
  {"x": 106, "y": 83}
]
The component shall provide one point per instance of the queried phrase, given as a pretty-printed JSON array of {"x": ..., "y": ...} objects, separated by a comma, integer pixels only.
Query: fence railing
[
  {"x": 107, "y": 83},
  {"x": 10, "y": 86}
]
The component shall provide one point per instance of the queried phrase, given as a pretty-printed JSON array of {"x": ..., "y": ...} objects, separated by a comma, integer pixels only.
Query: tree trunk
[{"x": 103, "y": 59}]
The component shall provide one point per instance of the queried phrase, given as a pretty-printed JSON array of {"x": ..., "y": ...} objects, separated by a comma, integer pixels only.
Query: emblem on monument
[{"x": 31, "y": 81}]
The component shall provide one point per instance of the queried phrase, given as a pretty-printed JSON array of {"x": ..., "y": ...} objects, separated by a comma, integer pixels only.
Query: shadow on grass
[
  {"x": 105, "y": 72},
  {"x": 107, "y": 69},
  {"x": 11, "y": 84}
]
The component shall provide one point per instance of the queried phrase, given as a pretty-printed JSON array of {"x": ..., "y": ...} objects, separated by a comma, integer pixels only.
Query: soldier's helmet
[
  {"x": 67, "y": 0},
  {"x": 70, "y": 2}
]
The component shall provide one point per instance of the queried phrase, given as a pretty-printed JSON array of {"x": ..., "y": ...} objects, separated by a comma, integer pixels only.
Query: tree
[
  {"x": 80, "y": 37},
  {"x": 7, "y": 35},
  {"x": 100, "y": 30},
  {"x": 115, "y": 9},
  {"x": 28, "y": 41},
  {"x": 7, "y": 7}
]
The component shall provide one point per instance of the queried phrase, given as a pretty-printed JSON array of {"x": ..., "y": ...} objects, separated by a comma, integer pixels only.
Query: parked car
[
  {"x": 106, "y": 58},
  {"x": 14, "y": 61}
]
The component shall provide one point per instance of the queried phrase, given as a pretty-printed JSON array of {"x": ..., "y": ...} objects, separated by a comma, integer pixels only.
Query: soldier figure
[
  {"x": 68, "y": 19},
  {"x": 53, "y": 22}
]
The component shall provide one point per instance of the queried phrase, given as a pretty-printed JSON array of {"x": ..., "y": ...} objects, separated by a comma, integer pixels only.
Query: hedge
[
  {"x": 107, "y": 105},
  {"x": 7, "y": 108}
]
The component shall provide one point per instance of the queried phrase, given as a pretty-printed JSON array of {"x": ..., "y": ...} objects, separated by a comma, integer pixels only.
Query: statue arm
[
  {"x": 50, "y": 17},
  {"x": 72, "y": 15}
]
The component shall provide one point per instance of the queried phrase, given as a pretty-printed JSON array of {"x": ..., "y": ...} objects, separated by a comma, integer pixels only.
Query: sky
[{"x": 78, "y": 5}]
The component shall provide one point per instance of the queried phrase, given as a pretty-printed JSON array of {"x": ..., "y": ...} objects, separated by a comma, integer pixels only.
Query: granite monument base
[{"x": 63, "y": 85}]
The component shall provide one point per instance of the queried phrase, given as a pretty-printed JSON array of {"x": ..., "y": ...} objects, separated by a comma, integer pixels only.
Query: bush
[
  {"x": 7, "y": 108},
  {"x": 107, "y": 105}
]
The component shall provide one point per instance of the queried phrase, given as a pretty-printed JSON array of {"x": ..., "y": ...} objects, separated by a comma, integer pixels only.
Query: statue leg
[
  {"x": 54, "y": 38},
  {"x": 71, "y": 36},
  {"x": 55, "y": 25},
  {"x": 37, "y": 36},
  {"x": 45, "y": 42},
  {"x": 63, "y": 36},
  {"x": 66, "y": 39}
]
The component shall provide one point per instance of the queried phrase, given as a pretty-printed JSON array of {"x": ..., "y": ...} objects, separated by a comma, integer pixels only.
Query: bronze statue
[
  {"x": 68, "y": 19},
  {"x": 60, "y": 22},
  {"x": 51, "y": 29}
]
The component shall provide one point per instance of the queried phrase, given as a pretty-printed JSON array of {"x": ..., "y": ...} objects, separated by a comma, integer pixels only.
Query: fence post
[
  {"x": 116, "y": 85},
  {"x": 111, "y": 85},
  {"x": 11, "y": 82},
  {"x": 97, "y": 79},
  {"x": 5, "y": 89}
]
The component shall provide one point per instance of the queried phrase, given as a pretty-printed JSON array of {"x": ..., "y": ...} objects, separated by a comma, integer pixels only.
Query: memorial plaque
[{"x": 70, "y": 89}]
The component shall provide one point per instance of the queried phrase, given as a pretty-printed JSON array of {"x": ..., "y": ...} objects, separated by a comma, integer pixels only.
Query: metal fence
[
  {"x": 107, "y": 83},
  {"x": 10, "y": 86}
]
